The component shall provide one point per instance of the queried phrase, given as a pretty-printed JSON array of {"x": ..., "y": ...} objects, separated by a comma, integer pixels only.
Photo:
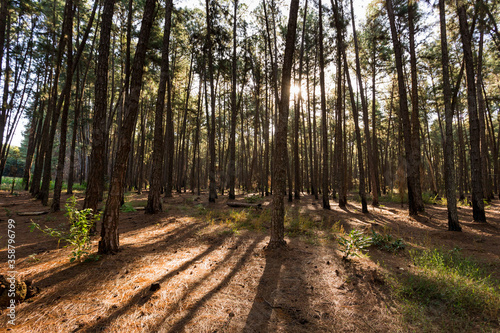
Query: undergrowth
[
  {"x": 236, "y": 219},
  {"x": 387, "y": 242},
  {"x": 450, "y": 291},
  {"x": 6, "y": 184},
  {"x": 127, "y": 208},
  {"x": 78, "y": 237}
]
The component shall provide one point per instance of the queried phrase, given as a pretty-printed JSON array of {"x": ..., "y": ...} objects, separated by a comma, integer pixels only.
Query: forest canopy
[{"x": 269, "y": 97}]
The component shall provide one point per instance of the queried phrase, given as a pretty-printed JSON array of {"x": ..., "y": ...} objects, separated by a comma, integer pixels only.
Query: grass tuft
[{"x": 449, "y": 290}]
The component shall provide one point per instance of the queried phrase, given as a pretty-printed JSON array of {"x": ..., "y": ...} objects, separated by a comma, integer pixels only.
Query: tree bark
[
  {"x": 154, "y": 204},
  {"x": 232, "y": 135},
  {"x": 411, "y": 168},
  {"x": 451, "y": 196},
  {"x": 415, "y": 122},
  {"x": 211, "y": 172},
  {"x": 364, "y": 105},
  {"x": 56, "y": 202},
  {"x": 324, "y": 127},
  {"x": 475, "y": 153},
  {"x": 278, "y": 212},
  {"x": 359, "y": 147},
  {"x": 109, "y": 242},
  {"x": 95, "y": 184}
]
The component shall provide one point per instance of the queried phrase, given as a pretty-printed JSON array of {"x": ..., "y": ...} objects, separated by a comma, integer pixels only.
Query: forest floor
[{"x": 215, "y": 274}]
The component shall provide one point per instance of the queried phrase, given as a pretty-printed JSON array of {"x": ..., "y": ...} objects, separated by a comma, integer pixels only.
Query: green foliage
[
  {"x": 236, "y": 219},
  {"x": 14, "y": 163},
  {"x": 355, "y": 242},
  {"x": 33, "y": 258},
  {"x": 393, "y": 197},
  {"x": 253, "y": 199},
  {"x": 387, "y": 242},
  {"x": 446, "y": 285},
  {"x": 200, "y": 209},
  {"x": 7, "y": 183},
  {"x": 127, "y": 208},
  {"x": 430, "y": 198},
  {"x": 78, "y": 236},
  {"x": 297, "y": 224}
]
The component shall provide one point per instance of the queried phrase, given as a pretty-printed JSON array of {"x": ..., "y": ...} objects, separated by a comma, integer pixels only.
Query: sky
[{"x": 359, "y": 11}]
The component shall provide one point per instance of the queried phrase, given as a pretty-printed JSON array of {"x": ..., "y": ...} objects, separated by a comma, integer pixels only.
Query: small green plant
[
  {"x": 430, "y": 198},
  {"x": 33, "y": 258},
  {"x": 297, "y": 224},
  {"x": 338, "y": 228},
  {"x": 387, "y": 242},
  {"x": 8, "y": 212},
  {"x": 78, "y": 236},
  {"x": 355, "y": 242},
  {"x": 127, "y": 208},
  {"x": 253, "y": 199},
  {"x": 200, "y": 209}
]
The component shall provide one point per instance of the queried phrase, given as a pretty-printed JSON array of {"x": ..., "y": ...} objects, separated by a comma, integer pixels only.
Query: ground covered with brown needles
[{"x": 199, "y": 267}]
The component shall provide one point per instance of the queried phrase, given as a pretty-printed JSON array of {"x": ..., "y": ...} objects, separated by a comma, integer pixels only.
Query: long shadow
[
  {"x": 144, "y": 295},
  {"x": 78, "y": 274},
  {"x": 179, "y": 325},
  {"x": 171, "y": 238},
  {"x": 262, "y": 308},
  {"x": 295, "y": 311}
]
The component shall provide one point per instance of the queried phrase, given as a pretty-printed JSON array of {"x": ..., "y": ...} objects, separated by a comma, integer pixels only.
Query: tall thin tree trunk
[
  {"x": 453, "y": 224},
  {"x": 412, "y": 171},
  {"x": 109, "y": 242},
  {"x": 154, "y": 204},
  {"x": 415, "y": 122},
  {"x": 364, "y": 105},
  {"x": 56, "y": 202},
  {"x": 54, "y": 110},
  {"x": 297, "y": 109},
  {"x": 278, "y": 212},
  {"x": 324, "y": 127},
  {"x": 211, "y": 173},
  {"x": 355, "y": 115},
  {"x": 474, "y": 131},
  {"x": 339, "y": 155},
  {"x": 481, "y": 108},
  {"x": 232, "y": 135},
  {"x": 95, "y": 185}
]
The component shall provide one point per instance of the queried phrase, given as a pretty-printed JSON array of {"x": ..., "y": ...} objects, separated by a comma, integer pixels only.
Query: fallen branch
[
  {"x": 243, "y": 205},
  {"x": 32, "y": 213}
]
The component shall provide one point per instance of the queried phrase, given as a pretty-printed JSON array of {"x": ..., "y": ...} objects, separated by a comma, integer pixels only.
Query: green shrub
[
  {"x": 355, "y": 242},
  {"x": 7, "y": 184},
  {"x": 127, "y": 208},
  {"x": 78, "y": 236},
  {"x": 253, "y": 199},
  {"x": 297, "y": 224},
  {"x": 387, "y": 242}
]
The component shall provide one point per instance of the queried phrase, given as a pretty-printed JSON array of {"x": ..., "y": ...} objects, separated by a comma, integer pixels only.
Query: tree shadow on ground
[
  {"x": 181, "y": 323},
  {"x": 283, "y": 294},
  {"x": 85, "y": 275}
]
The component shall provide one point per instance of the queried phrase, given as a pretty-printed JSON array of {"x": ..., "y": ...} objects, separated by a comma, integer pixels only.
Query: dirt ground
[{"x": 216, "y": 279}]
